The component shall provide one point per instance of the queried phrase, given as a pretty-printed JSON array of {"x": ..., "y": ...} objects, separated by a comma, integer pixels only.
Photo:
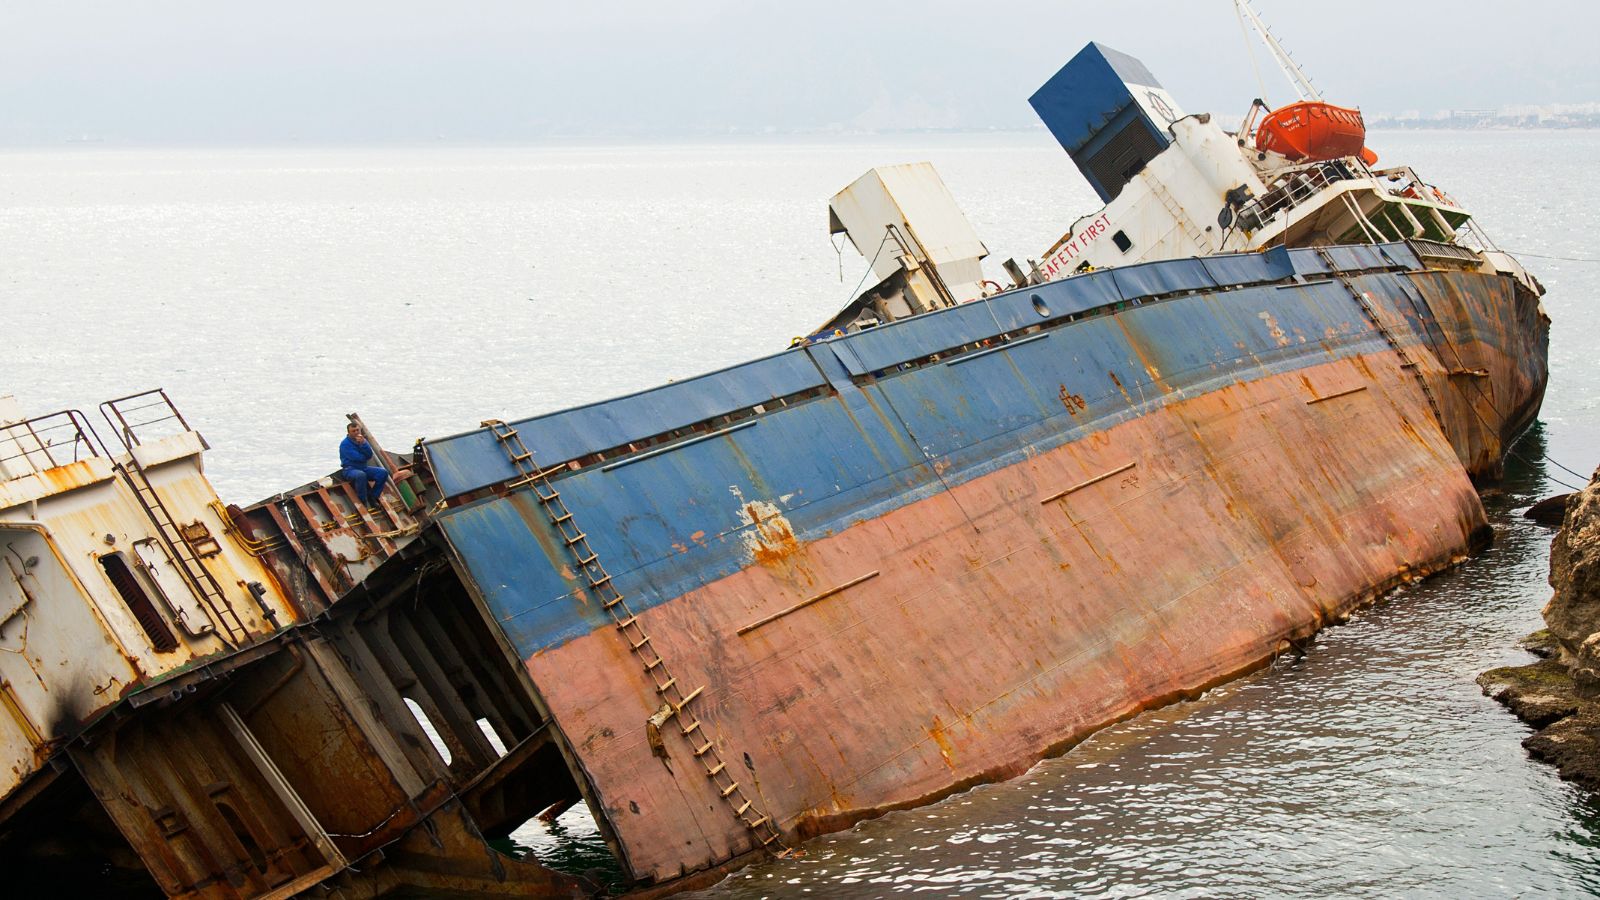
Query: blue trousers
[{"x": 369, "y": 482}]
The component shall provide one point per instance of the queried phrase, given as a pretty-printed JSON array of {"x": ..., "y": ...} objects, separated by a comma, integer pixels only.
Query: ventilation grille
[{"x": 1123, "y": 156}]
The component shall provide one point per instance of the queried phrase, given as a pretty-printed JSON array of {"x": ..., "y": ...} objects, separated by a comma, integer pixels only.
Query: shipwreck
[{"x": 958, "y": 529}]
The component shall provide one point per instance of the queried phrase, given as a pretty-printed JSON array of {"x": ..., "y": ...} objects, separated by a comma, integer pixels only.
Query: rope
[
  {"x": 857, "y": 289},
  {"x": 1586, "y": 478},
  {"x": 1547, "y": 475},
  {"x": 1584, "y": 259},
  {"x": 1249, "y": 51}
]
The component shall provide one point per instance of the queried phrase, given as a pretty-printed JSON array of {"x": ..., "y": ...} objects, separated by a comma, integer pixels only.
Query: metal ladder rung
[
  {"x": 1406, "y": 362},
  {"x": 602, "y": 587}
]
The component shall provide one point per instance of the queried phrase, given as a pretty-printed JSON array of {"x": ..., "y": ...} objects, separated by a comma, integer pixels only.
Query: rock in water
[
  {"x": 1560, "y": 696},
  {"x": 1573, "y": 613},
  {"x": 1549, "y": 511}
]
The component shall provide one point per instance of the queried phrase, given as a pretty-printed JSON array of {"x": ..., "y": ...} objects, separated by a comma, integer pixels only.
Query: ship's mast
[{"x": 1298, "y": 79}]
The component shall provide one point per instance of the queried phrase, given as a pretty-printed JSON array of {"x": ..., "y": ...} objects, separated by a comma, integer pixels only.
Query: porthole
[{"x": 1039, "y": 307}]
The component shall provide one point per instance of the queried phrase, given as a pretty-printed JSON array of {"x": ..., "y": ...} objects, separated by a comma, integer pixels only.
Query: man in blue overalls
[{"x": 354, "y": 454}]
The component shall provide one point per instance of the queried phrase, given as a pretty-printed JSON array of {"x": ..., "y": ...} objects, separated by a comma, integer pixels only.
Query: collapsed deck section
[
  {"x": 117, "y": 578},
  {"x": 886, "y": 565},
  {"x": 205, "y": 702}
]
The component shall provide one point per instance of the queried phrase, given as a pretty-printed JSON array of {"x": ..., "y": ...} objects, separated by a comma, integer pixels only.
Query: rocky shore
[{"x": 1560, "y": 694}]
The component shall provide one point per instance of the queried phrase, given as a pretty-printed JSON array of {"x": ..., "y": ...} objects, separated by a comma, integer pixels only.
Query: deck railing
[
  {"x": 45, "y": 442},
  {"x": 143, "y": 416},
  {"x": 1288, "y": 192}
]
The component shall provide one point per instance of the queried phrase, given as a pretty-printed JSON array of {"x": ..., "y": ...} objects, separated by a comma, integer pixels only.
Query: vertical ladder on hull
[
  {"x": 676, "y": 700},
  {"x": 193, "y": 570},
  {"x": 1406, "y": 361},
  {"x": 1182, "y": 219}
]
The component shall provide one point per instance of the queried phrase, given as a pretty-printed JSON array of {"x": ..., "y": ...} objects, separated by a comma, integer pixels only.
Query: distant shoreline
[
  {"x": 1380, "y": 125},
  {"x": 682, "y": 140}
]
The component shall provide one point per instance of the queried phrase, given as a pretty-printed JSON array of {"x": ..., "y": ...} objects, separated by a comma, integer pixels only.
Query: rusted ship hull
[
  {"x": 212, "y": 703},
  {"x": 745, "y": 608},
  {"x": 868, "y": 572}
]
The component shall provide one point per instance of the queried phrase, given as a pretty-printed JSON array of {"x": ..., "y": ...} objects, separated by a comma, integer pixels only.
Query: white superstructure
[
  {"x": 1174, "y": 185},
  {"x": 116, "y": 571}
]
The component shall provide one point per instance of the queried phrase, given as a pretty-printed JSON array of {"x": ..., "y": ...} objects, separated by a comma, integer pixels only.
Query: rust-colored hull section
[{"x": 1250, "y": 517}]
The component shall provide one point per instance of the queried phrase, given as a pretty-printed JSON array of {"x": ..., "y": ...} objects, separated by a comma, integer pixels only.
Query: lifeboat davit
[{"x": 1314, "y": 131}]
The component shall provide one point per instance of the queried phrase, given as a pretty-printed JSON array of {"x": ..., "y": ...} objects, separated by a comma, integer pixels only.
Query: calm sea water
[{"x": 272, "y": 291}]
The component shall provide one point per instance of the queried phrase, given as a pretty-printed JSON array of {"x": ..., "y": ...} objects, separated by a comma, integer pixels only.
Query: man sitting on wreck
[{"x": 354, "y": 454}]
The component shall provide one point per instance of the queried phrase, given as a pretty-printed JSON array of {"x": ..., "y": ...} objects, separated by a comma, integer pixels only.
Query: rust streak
[{"x": 942, "y": 739}]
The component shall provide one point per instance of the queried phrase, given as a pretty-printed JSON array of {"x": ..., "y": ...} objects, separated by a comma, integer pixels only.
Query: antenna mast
[{"x": 1298, "y": 79}]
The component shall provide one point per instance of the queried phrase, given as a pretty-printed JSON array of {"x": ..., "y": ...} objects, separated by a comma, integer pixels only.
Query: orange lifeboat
[{"x": 1315, "y": 131}]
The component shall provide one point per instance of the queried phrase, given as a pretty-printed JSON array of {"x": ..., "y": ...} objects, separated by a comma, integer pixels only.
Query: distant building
[{"x": 1558, "y": 115}]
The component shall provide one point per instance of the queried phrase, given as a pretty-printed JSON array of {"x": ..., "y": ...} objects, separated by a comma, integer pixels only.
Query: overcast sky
[{"x": 175, "y": 71}]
